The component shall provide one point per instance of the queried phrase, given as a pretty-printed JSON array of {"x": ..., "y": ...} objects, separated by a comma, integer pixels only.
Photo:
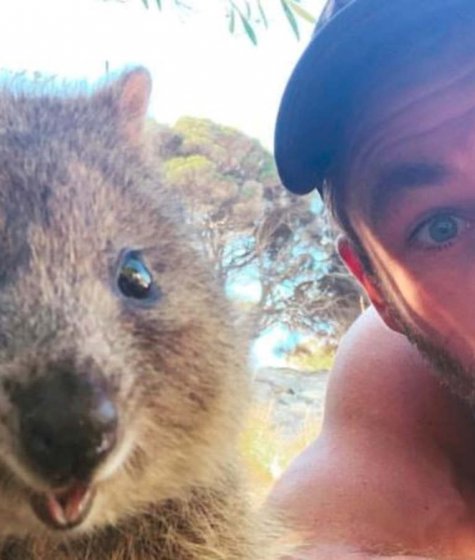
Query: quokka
[{"x": 122, "y": 379}]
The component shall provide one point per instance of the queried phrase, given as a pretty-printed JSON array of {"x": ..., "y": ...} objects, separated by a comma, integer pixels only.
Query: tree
[
  {"x": 248, "y": 14},
  {"x": 252, "y": 229}
]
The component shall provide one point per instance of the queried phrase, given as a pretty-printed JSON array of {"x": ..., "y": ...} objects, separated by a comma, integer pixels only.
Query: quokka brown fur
[{"x": 122, "y": 379}]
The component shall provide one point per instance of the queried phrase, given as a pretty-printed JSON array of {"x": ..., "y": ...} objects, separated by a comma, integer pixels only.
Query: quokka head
[{"x": 120, "y": 376}]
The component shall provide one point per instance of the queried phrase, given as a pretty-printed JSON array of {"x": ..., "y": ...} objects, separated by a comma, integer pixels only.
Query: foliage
[
  {"x": 252, "y": 14},
  {"x": 254, "y": 231},
  {"x": 248, "y": 14},
  {"x": 312, "y": 355}
]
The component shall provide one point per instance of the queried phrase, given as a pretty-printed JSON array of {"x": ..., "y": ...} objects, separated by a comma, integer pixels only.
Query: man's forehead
[
  {"x": 412, "y": 136},
  {"x": 432, "y": 64},
  {"x": 401, "y": 178}
]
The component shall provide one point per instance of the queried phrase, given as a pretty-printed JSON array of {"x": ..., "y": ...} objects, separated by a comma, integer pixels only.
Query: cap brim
[{"x": 311, "y": 115}]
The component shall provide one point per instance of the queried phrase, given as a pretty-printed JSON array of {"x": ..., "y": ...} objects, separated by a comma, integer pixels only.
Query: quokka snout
[{"x": 122, "y": 380}]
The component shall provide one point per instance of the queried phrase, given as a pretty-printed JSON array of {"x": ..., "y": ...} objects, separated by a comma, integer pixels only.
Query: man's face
[{"x": 410, "y": 196}]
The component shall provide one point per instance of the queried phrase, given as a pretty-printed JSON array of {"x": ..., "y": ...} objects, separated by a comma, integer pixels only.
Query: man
[{"x": 379, "y": 117}]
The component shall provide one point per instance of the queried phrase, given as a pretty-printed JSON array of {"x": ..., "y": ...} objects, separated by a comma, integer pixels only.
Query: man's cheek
[{"x": 442, "y": 315}]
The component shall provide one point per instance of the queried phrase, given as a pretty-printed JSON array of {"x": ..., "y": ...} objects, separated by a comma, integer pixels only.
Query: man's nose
[{"x": 68, "y": 425}]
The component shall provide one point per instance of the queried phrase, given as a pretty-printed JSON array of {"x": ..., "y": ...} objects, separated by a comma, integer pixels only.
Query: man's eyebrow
[{"x": 402, "y": 177}]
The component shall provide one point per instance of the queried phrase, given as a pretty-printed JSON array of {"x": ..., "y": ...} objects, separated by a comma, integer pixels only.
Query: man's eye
[{"x": 439, "y": 230}]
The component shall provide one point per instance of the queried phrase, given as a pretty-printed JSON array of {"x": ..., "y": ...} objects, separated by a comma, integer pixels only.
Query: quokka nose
[{"x": 68, "y": 425}]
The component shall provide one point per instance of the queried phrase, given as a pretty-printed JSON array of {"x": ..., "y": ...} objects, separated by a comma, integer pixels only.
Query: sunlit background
[{"x": 199, "y": 68}]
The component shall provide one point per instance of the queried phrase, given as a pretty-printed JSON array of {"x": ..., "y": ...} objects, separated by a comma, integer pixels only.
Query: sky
[{"x": 198, "y": 67}]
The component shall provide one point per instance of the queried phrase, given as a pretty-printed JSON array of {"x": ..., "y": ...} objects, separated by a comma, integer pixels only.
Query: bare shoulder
[
  {"x": 379, "y": 375},
  {"x": 377, "y": 444}
]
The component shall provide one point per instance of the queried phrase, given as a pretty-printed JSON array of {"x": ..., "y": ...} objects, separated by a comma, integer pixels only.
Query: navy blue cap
[{"x": 351, "y": 38}]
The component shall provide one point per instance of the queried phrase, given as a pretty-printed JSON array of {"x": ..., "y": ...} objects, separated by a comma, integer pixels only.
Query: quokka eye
[{"x": 134, "y": 278}]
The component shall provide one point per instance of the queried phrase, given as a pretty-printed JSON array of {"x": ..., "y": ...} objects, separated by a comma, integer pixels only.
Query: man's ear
[{"x": 351, "y": 257}]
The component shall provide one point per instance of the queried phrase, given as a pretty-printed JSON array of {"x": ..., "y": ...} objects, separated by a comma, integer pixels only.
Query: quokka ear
[{"x": 131, "y": 93}]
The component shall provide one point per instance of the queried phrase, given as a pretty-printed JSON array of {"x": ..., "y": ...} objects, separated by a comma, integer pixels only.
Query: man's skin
[
  {"x": 394, "y": 469},
  {"x": 394, "y": 465}
]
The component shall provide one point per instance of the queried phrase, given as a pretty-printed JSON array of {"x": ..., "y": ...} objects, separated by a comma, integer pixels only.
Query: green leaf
[
  {"x": 263, "y": 14},
  {"x": 159, "y": 4},
  {"x": 232, "y": 20},
  {"x": 301, "y": 12},
  {"x": 248, "y": 10},
  {"x": 248, "y": 29},
  {"x": 290, "y": 16},
  {"x": 145, "y": 3}
]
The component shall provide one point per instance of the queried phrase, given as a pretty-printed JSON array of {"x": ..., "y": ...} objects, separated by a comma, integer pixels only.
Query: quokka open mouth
[{"x": 64, "y": 509}]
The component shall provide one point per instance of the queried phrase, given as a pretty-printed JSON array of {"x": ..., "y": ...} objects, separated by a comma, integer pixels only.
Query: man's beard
[{"x": 457, "y": 377}]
